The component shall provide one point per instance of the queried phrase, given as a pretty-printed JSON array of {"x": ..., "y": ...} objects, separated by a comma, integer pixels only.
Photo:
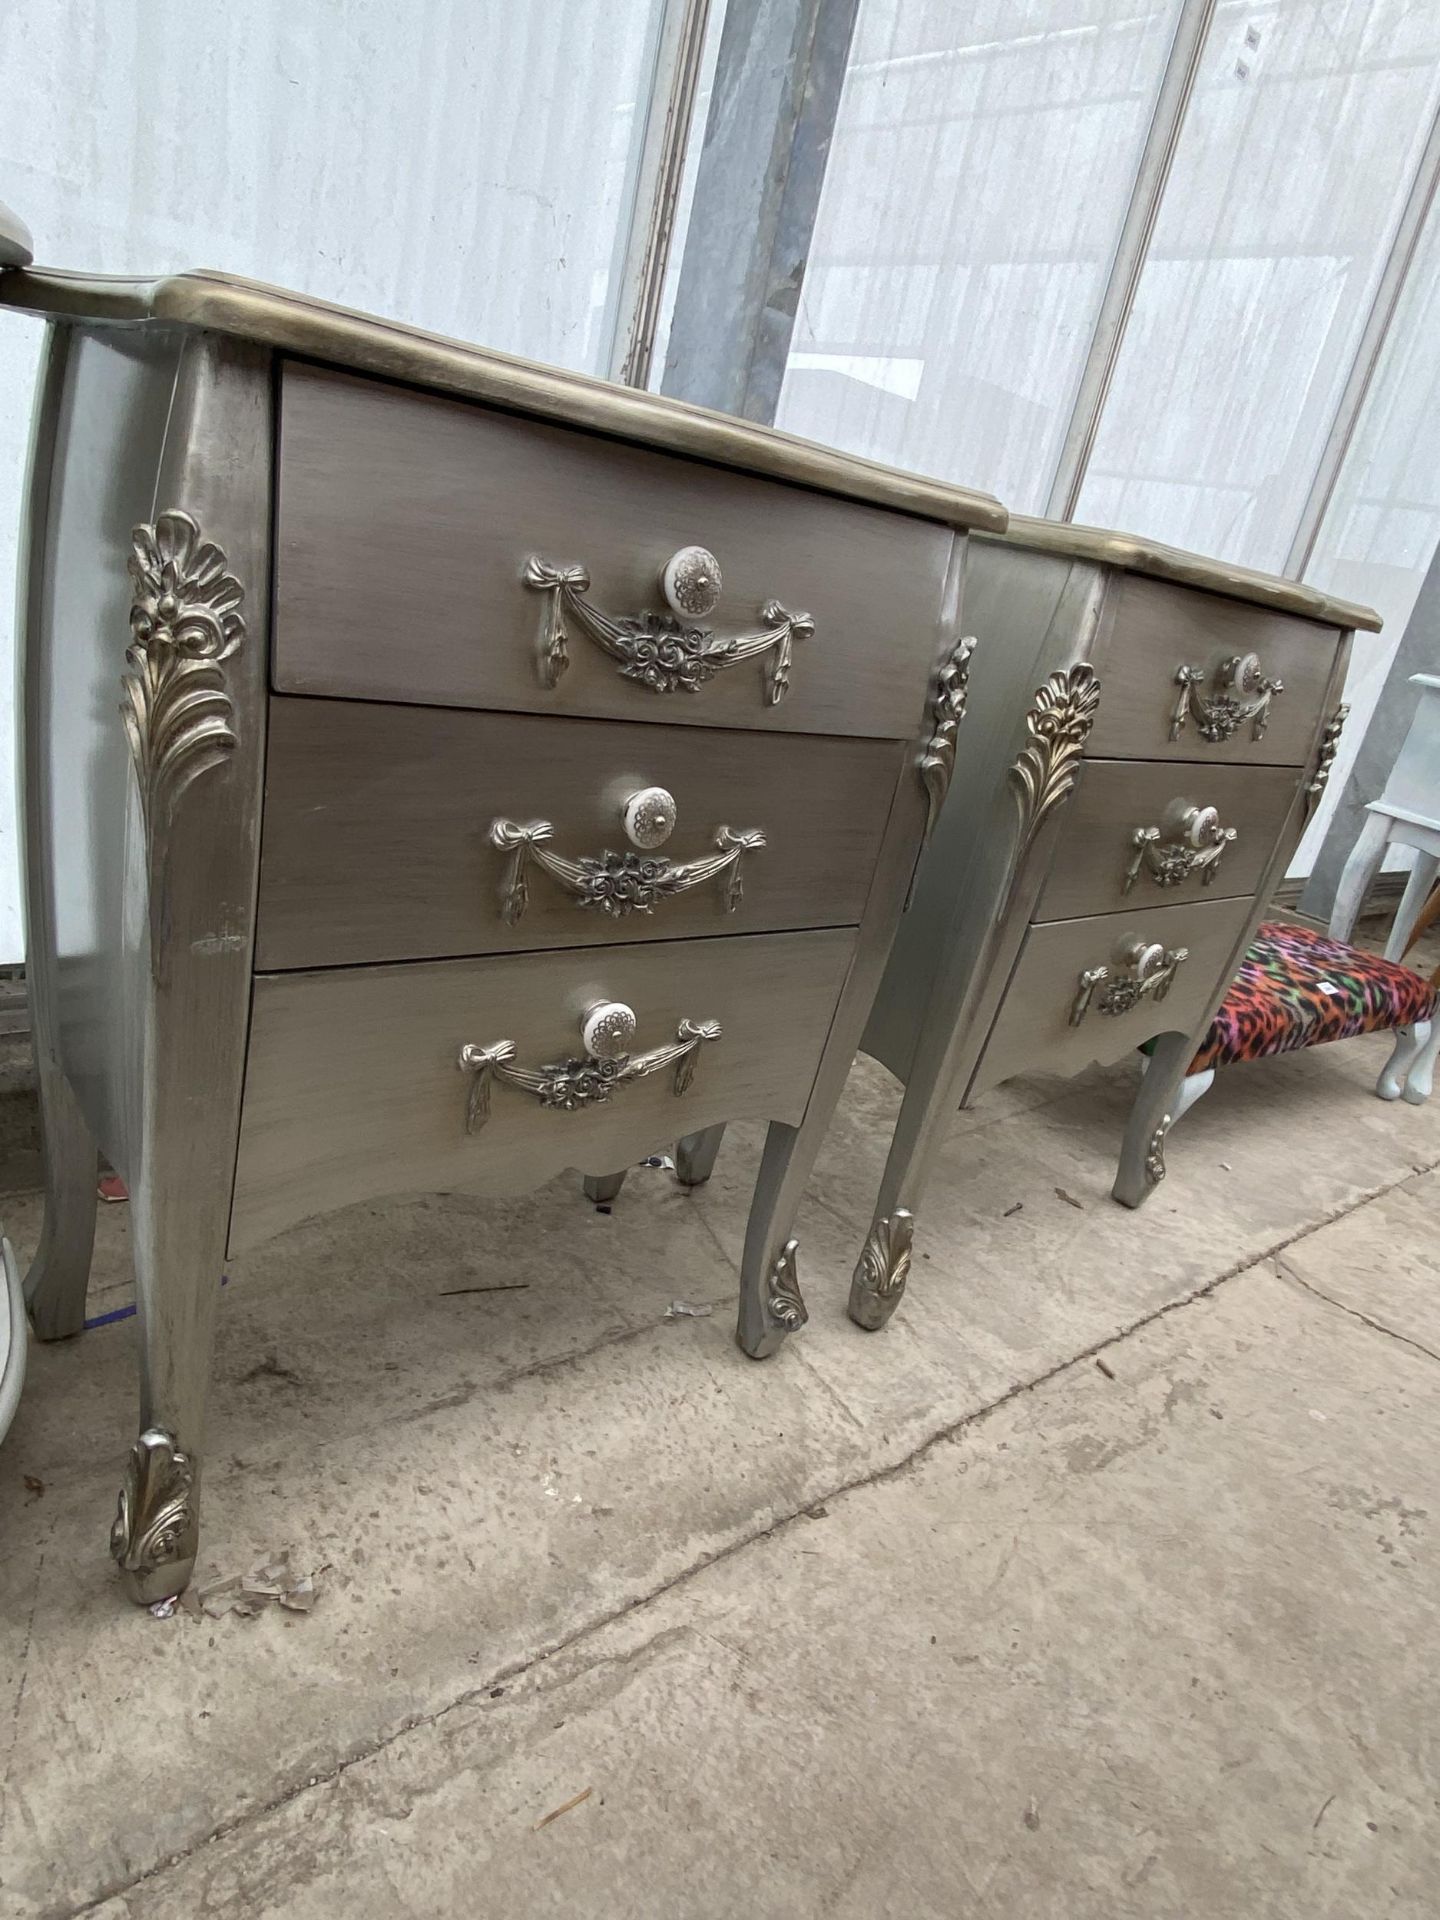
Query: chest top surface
[{"x": 340, "y": 336}]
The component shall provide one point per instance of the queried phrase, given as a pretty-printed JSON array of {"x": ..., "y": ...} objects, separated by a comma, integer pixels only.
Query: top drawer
[
  {"x": 407, "y": 524},
  {"x": 1148, "y": 712}
]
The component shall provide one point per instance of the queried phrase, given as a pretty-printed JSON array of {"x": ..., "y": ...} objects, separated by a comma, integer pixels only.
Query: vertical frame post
[
  {"x": 1172, "y": 100},
  {"x": 778, "y": 81}
]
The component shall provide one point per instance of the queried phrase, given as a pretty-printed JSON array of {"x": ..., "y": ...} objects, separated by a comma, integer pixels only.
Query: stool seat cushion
[{"x": 1298, "y": 989}]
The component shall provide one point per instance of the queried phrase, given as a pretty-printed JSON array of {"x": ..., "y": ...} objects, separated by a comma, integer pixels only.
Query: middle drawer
[
  {"x": 1142, "y": 833},
  {"x": 406, "y": 833}
]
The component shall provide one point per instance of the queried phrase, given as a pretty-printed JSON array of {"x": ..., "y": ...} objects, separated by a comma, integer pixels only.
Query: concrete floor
[{"x": 1105, "y": 1582}]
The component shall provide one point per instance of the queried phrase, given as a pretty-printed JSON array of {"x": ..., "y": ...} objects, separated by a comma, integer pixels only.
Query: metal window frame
[
  {"x": 779, "y": 74},
  {"x": 736, "y": 359},
  {"x": 664, "y": 151},
  {"x": 1394, "y": 275},
  {"x": 1132, "y": 248},
  {"x": 748, "y": 344}
]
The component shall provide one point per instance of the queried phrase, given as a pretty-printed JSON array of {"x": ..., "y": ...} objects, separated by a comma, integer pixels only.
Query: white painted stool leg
[
  {"x": 1188, "y": 1092},
  {"x": 1396, "y": 1070},
  {"x": 1422, "y": 1074},
  {"x": 1355, "y": 877},
  {"x": 1191, "y": 1088}
]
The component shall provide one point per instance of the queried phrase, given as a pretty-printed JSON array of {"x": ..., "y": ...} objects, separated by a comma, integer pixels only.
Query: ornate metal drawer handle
[
  {"x": 666, "y": 652},
  {"x": 1244, "y": 693},
  {"x": 617, "y": 883},
  {"x": 1143, "y": 970},
  {"x": 590, "y": 1079},
  {"x": 621, "y": 883},
  {"x": 1189, "y": 840}
]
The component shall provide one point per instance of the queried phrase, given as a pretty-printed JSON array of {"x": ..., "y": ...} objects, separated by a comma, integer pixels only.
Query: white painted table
[{"x": 1407, "y": 814}]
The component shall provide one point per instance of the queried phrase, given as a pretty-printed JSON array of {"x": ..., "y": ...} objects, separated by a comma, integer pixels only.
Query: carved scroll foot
[
  {"x": 1160, "y": 1101},
  {"x": 1155, "y": 1152},
  {"x": 773, "y": 1308},
  {"x": 156, "y": 1533},
  {"x": 884, "y": 1267}
]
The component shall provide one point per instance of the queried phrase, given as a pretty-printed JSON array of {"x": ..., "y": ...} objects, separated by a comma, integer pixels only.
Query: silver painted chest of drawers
[
  {"x": 439, "y": 772},
  {"x": 1147, "y": 734}
]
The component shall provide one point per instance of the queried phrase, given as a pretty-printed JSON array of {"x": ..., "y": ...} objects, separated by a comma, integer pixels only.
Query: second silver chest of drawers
[{"x": 1147, "y": 734}]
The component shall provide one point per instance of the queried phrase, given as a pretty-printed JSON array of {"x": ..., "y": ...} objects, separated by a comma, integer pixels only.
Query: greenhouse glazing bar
[
  {"x": 679, "y": 58},
  {"x": 1172, "y": 98},
  {"x": 1391, "y": 284},
  {"x": 778, "y": 80}
]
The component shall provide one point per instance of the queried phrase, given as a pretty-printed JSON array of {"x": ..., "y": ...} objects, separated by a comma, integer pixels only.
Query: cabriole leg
[
  {"x": 883, "y": 1269},
  {"x": 771, "y": 1304},
  {"x": 1188, "y": 1092},
  {"x": 55, "y": 1285},
  {"x": 1157, "y": 1106},
  {"x": 602, "y": 1188},
  {"x": 60, "y": 1272},
  {"x": 695, "y": 1155},
  {"x": 179, "y": 1255},
  {"x": 878, "y": 1283},
  {"x": 194, "y": 711}
]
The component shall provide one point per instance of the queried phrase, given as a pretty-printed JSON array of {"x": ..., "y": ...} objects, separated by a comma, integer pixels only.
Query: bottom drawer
[
  {"x": 353, "y": 1083},
  {"x": 1060, "y": 1013}
]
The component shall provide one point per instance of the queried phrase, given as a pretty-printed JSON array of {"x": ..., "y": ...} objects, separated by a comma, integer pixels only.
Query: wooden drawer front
[
  {"x": 1036, "y": 1029},
  {"x": 353, "y": 1086},
  {"x": 378, "y": 845},
  {"x": 406, "y": 523},
  {"x": 1159, "y": 629},
  {"x": 1100, "y": 868}
]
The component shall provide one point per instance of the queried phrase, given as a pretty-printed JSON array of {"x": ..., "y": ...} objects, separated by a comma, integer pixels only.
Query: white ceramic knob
[
  {"x": 1243, "y": 672},
  {"x": 649, "y": 817},
  {"x": 1144, "y": 956},
  {"x": 607, "y": 1029},
  {"x": 690, "y": 582},
  {"x": 1200, "y": 825}
]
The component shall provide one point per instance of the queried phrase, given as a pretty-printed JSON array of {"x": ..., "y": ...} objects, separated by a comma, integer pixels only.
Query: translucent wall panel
[
  {"x": 1294, "y": 161},
  {"x": 981, "y": 167},
  {"x": 466, "y": 167},
  {"x": 1383, "y": 523}
]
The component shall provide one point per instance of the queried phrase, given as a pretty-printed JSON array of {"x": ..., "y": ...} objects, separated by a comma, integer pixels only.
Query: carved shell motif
[
  {"x": 155, "y": 1524},
  {"x": 184, "y": 621},
  {"x": 1155, "y": 1153},
  {"x": 885, "y": 1263},
  {"x": 1325, "y": 758},
  {"x": 883, "y": 1270},
  {"x": 1058, "y": 724},
  {"x": 947, "y": 711},
  {"x": 784, "y": 1303}
]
